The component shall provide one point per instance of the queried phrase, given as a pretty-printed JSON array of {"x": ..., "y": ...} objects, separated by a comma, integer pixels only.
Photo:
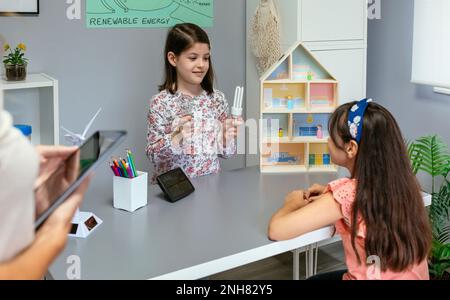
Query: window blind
[{"x": 431, "y": 44}]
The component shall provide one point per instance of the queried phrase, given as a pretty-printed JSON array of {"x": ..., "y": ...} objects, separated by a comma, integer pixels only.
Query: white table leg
[
  {"x": 315, "y": 259},
  {"x": 311, "y": 260},
  {"x": 307, "y": 262},
  {"x": 296, "y": 264},
  {"x": 311, "y": 254}
]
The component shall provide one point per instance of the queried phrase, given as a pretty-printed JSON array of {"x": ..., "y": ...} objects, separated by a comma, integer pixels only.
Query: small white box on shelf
[{"x": 130, "y": 194}]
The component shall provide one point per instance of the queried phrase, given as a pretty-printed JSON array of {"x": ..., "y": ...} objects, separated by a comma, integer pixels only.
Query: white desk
[{"x": 222, "y": 225}]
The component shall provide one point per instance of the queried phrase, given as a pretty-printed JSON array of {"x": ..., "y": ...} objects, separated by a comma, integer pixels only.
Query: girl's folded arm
[{"x": 288, "y": 222}]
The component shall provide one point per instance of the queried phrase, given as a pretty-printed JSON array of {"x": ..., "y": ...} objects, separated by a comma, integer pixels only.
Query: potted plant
[
  {"x": 15, "y": 62},
  {"x": 431, "y": 155}
]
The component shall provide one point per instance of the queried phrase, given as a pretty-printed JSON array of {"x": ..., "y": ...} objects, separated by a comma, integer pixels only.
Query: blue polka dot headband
[{"x": 355, "y": 118}]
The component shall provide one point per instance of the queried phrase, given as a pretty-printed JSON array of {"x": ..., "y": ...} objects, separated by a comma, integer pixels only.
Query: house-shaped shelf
[{"x": 298, "y": 95}]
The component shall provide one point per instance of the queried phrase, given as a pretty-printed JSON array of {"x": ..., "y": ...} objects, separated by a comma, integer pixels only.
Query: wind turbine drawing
[
  {"x": 110, "y": 8},
  {"x": 77, "y": 139}
]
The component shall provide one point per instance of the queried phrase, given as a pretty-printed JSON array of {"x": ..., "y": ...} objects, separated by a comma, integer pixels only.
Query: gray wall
[
  {"x": 418, "y": 110},
  {"x": 119, "y": 69}
]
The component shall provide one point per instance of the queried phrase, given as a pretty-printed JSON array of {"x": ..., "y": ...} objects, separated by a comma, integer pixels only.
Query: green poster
[{"x": 148, "y": 13}]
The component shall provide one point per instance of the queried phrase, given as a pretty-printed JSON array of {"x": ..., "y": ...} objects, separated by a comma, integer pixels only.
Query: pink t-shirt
[{"x": 344, "y": 192}]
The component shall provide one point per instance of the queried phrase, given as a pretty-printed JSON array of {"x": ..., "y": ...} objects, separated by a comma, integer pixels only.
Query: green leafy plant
[
  {"x": 431, "y": 155},
  {"x": 16, "y": 56}
]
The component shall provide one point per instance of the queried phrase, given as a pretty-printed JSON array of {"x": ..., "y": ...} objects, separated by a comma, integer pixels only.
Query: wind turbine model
[
  {"x": 77, "y": 139},
  {"x": 83, "y": 223}
]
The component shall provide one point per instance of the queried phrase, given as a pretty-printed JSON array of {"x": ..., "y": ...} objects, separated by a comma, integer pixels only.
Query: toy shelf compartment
[
  {"x": 309, "y": 125},
  {"x": 319, "y": 158},
  {"x": 303, "y": 80},
  {"x": 283, "y": 154},
  {"x": 290, "y": 157},
  {"x": 276, "y": 126},
  {"x": 299, "y": 97},
  {"x": 322, "y": 95},
  {"x": 284, "y": 96},
  {"x": 294, "y": 127},
  {"x": 290, "y": 143}
]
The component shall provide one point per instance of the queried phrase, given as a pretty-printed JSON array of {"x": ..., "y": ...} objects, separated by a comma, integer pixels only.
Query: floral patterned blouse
[{"x": 199, "y": 156}]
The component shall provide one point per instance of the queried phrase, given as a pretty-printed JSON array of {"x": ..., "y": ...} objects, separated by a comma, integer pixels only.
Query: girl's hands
[
  {"x": 184, "y": 130},
  {"x": 298, "y": 199},
  {"x": 182, "y": 135},
  {"x": 314, "y": 191},
  {"x": 295, "y": 200},
  {"x": 230, "y": 131}
]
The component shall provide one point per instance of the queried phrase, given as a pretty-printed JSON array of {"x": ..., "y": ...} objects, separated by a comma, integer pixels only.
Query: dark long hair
[
  {"x": 180, "y": 38},
  {"x": 388, "y": 196}
]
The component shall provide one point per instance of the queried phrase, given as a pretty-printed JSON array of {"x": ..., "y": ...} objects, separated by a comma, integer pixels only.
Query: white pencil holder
[{"x": 130, "y": 194}]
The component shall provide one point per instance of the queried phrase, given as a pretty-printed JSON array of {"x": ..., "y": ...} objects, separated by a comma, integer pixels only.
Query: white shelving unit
[{"x": 44, "y": 119}]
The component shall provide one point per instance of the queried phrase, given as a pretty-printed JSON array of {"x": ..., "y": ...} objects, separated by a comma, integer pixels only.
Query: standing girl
[
  {"x": 188, "y": 124},
  {"x": 378, "y": 212}
]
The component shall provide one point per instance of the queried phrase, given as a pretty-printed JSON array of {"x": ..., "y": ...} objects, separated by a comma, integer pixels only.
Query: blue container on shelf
[
  {"x": 25, "y": 129},
  {"x": 307, "y": 131},
  {"x": 290, "y": 104},
  {"x": 326, "y": 159}
]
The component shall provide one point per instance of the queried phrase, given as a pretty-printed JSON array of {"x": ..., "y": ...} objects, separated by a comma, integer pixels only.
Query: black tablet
[
  {"x": 70, "y": 174},
  {"x": 175, "y": 185}
]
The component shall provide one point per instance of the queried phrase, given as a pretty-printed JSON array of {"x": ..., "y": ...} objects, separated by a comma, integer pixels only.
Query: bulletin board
[{"x": 148, "y": 13}]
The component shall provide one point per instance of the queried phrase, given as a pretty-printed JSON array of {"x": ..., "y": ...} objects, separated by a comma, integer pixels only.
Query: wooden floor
[{"x": 331, "y": 258}]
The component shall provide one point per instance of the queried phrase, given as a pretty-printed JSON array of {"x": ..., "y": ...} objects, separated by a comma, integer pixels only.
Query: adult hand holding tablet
[
  {"x": 58, "y": 170},
  {"x": 55, "y": 228},
  {"x": 61, "y": 179}
]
